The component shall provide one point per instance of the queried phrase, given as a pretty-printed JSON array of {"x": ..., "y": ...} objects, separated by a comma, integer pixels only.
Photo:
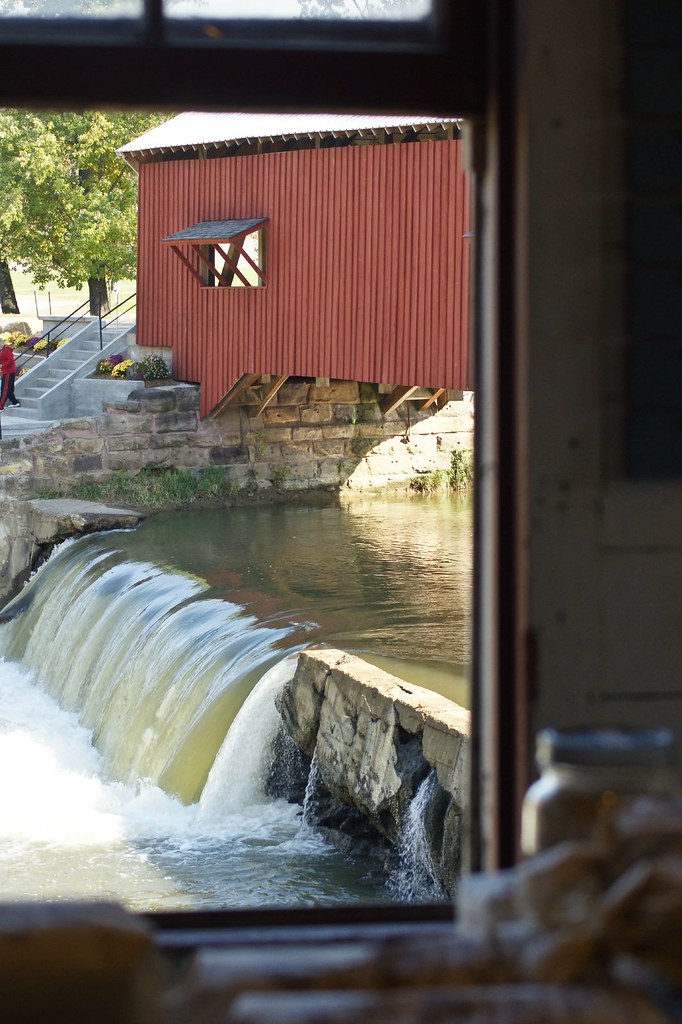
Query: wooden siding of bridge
[{"x": 367, "y": 266}]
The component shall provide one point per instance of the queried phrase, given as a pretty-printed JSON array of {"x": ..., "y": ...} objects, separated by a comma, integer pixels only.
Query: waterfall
[
  {"x": 238, "y": 773},
  {"x": 311, "y": 786},
  {"x": 152, "y": 666},
  {"x": 415, "y": 878}
]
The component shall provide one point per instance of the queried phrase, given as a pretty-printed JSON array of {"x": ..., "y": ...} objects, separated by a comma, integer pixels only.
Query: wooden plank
[
  {"x": 253, "y": 264},
  {"x": 208, "y": 263},
  {"x": 432, "y": 399},
  {"x": 187, "y": 263},
  {"x": 396, "y": 398},
  {"x": 224, "y": 279},
  {"x": 233, "y": 254},
  {"x": 246, "y": 381},
  {"x": 270, "y": 393}
]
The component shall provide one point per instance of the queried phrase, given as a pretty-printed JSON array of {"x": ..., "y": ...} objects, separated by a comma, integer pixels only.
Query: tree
[
  {"x": 67, "y": 201},
  {"x": 8, "y": 299}
]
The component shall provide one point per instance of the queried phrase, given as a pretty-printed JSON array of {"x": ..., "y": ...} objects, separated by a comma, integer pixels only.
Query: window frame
[
  {"x": 470, "y": 69},
  {"x": 437, "y": 66},
  {"x": 205, "y": 246}
]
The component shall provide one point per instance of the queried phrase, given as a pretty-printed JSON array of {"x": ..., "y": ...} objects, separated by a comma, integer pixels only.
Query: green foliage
[
  {"x": 279, "y": 475},
  {"x": 457, "y": 477},
  {"x": 426, "y": 483},
  {"x": 68, "y": 202},
  {"x": 152, "y": 367},
  {"x": 259, "y": 443},
  {"x": 461, "y": 472},
  {"x": 154, "y": 488}
]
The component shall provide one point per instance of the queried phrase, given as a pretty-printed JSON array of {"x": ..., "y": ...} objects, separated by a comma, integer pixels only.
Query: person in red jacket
[{"x": 8, "y": 369}]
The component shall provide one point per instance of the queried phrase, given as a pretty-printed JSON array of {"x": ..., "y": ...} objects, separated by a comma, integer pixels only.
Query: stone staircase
[{"x": 45, "y": 391}]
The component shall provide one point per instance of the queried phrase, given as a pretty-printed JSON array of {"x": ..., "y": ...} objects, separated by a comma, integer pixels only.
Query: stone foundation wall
[
  {"x": 374, "y": 739},
  {"x": 310, "y": 437}
]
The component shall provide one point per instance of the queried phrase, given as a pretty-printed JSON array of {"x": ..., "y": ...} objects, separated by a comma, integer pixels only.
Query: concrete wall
[{"x": 311, "y": 438}]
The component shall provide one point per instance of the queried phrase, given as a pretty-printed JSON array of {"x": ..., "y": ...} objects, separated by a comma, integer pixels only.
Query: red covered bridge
[{"x": 332, "y": 246}]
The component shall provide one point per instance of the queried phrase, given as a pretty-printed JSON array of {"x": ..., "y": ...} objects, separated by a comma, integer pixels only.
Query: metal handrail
[
  {"x": 25, "y": 356},
  {"x": 72, "y": 319},
  {"x": 104, "y": 320}
]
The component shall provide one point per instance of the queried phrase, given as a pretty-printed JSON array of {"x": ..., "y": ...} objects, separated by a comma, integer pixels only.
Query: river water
[{"x": 137, "y": 693}]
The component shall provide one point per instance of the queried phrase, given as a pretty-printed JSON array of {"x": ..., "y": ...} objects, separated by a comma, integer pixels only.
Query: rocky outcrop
[
  {"x": 30, "y": 529},
  {"x": 373, "y": 740}
]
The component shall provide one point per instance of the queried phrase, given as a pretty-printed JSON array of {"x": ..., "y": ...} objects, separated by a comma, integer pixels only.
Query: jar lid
[{"x": 607, "y": 747}]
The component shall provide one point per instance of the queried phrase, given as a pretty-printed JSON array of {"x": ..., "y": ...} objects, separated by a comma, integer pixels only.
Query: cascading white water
[
  {"x": 311, "y": 785},
  {"x": 414, "y": 877},
  {"x": 131, "y": 764},
  {"x": 155, "y": 669},
  {"x": 136, "y": 696},
  {"x": 237, "y": 777}
]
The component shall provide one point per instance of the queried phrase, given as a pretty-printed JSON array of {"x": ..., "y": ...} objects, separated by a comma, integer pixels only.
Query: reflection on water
[{"x": 388, "y": 579}]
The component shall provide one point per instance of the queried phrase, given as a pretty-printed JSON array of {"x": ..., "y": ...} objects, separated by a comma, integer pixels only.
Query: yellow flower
[
  {"x": 120, "y": 369},
  {"x": 62, "y": 341},
  {"x": 15, "y": 339},
  {"x": 40, "y": 346}
]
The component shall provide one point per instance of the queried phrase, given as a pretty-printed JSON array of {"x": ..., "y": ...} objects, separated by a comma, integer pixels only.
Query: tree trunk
[
  {"x": 8, "y": 300},
  {"x": 99, "y": 296}
]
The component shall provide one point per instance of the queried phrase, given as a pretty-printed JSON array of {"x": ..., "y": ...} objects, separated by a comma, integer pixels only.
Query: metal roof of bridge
[{"x": 195, "y": 129}]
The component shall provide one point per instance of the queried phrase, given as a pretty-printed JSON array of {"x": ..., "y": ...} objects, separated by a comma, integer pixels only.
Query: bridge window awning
[{"x": 223, "y": 253}]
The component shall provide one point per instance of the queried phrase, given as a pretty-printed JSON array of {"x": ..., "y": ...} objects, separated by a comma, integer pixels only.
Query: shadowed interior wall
[{"x": 366, "y": 257}]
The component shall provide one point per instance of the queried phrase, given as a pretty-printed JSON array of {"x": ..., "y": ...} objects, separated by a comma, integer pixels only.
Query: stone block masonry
[
  {"x": 375, "y": 739},
  {"x": 311, "y": 437}
]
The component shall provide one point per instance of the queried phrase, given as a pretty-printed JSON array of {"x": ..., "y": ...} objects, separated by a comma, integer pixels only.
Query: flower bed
[
  {"x": 119, "y": 366},
  {"x": 34, "y": 344},
  {"x": 115, "y": 366}
]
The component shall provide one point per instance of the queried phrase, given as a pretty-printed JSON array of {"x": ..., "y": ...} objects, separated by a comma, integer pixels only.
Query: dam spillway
[{"x": 135, "y": 758}]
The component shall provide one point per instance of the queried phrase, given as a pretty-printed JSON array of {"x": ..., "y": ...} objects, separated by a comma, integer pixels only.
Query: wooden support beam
[
  {"x": 230, "y": 263},
  {"x": 246, "y": 381},
  {"x": 270, "y": 394},
  {"x": 181, "y": 256},
  {"x": 254, "y": 266},
  {"x": 438, "y": 393},
  {"x": 396, "y": 398}
]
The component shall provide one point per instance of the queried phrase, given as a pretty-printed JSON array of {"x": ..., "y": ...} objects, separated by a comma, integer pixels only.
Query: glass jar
[{"x": 584, "y": 772}]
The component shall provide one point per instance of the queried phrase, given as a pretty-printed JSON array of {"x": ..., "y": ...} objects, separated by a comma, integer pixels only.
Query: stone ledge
[
  {"x": 29, "y": 528},
  {"x": 375, "y": 739}
]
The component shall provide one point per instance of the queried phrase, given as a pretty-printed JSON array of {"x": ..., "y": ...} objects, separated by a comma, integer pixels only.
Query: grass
[
  {"x": 154, "y": 489},
  {"x": 457, "y": 477},
  {"x": 50, "y": 300}
]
